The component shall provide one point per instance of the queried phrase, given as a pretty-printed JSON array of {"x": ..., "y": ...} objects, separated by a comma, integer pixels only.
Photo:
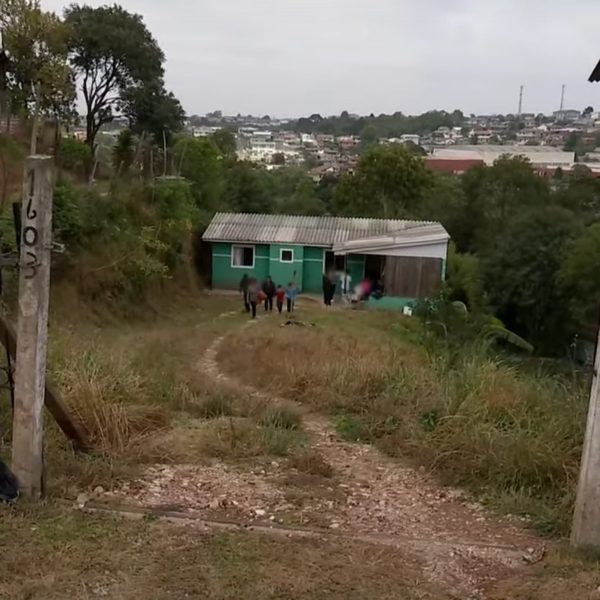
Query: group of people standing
[
  {"x": 341, "y": 284},
  {"x": 334, "y": 282},
  {"x": 267, "y": 293}
]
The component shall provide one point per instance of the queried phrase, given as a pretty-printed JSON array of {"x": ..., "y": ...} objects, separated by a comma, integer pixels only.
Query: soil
[{"x": 459, "y": 545}]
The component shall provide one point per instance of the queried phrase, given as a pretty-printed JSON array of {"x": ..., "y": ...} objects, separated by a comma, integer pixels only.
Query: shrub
[
  {"x": 216, "y": 406},
  {"x": 280, "y": 417}
]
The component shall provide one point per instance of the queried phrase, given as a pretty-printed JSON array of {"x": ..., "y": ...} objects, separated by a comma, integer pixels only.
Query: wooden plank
[{"x": 52, "y": 399}]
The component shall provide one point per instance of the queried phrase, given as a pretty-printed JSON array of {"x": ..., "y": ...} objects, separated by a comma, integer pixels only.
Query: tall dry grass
[
  {"x": 512, "y": 436},
  {"x": 315, "y": 366}
]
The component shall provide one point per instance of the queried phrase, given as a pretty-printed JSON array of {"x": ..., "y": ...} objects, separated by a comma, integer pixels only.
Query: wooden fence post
[{"x": 32, "y": 326}]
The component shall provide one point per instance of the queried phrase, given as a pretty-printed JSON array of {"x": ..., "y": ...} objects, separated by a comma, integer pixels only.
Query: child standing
[
  {"x": 280, "y": 295},
  {"x": 291, "y": 293},
  {"x": 253, "y": 293}
]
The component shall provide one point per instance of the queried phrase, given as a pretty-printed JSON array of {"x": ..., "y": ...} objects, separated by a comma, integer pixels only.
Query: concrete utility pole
[
  {"x": 32, "y": 327},
  {"x": 520, "y": 101},
  {"x": 562, "y": 97},
  {"x": 586, "y": 518}
]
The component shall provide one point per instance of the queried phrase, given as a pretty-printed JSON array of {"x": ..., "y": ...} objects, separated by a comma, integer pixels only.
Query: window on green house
[
  {"x": 286, "y": 256},
  {"x": 242, "y": 257}
]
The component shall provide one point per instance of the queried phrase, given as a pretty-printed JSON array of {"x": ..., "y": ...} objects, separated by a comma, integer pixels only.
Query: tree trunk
[
  {"x": 35, "y": 123},
  {"x": 165, "y": 153}
]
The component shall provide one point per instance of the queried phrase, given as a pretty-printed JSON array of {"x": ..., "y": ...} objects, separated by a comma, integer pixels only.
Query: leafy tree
[
  {"x": 579, "y": 277},
  {"x": 248, "y": 189},
  {"x": 279, "y": 159},
  {"x": 123, "y": 152},
  {"x": 521, "y": 274},
  {"x": 11, "y": 153},
  {"x": 73, "y": 155},
  {"x": 40, "y": 81},
  {"x": 154, "y": 111},
  {"x": 587, "y": 111},
  {"x": 493, "y": 195},
  {"x": 225, "y": 140},
  {"x": 368, "y": 136},
  {"x": 111, "y": 51},
  {"x": 198, "y": 160},
  {"x": 389, "y": 182},
  {"x": 465, "y": 281},
  {"x": 445, "y": 201},
  {"x": 295, "y": 193},
  {"x": 580, "y": 193}
]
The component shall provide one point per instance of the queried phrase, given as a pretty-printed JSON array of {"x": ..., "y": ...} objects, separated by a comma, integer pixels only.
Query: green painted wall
[
  {"x": 284, "y": 272},
  {"x": 355, "y": 263},
  {"x": 226, "y": 277},
  {"x": 313, "y": 269}
]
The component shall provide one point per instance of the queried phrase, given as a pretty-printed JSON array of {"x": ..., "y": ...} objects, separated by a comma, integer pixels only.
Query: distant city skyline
[{"x": 295, "y": 58}]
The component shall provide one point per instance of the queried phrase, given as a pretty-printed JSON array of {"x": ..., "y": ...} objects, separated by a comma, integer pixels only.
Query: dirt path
[{"x": 370, "y": 497}]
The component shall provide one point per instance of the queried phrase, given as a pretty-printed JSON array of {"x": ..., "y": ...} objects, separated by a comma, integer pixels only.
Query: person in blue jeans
[{"x": 291, "y": 293}]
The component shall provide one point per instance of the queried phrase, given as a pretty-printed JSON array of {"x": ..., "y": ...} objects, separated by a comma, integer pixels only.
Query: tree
[
  {"x": 39, "y": 78},
  {"x": 154, "y": 111},
  {"x": 389, "y": 182},
  {"x": 579, "y": 277},
  {"x": 587, "y": 112},
  {"x": 247, "y": 189},
  {"x": 123, "y": 152},
  {"x": 521, "y": 274},
  {"x": 225, "y": 140},
  {"x": 493, "y": 195},
  {"x": 294, "y": 193},
  {"x": 74, "y": 155},
  {"x": 155, "y": 115},
  {"x": 198, "y": 159},
  {"x": 368, "y": 136},
  {"x": 111, "y": 51}
]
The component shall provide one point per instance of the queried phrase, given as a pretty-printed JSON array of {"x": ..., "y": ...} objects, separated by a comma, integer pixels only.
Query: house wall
[
  {"x": 284, "y": 272},
  {"x": 226, "y": 277},
  {"x": 307, "y": 268},
  {"x": 314, "y": 261}
]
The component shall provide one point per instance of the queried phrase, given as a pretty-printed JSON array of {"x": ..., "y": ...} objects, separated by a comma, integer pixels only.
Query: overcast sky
[{"x": 296, "y": 57}]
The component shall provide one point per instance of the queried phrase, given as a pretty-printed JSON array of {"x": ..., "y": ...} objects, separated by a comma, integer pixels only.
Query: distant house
[
  {"x": 456, "y": 166},
  {"x": 566, "y": 115},
  {"x": 408, "y": 256}
]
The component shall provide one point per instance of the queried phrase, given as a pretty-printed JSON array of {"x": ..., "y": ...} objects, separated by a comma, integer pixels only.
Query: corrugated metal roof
[
  {"x": 309, "y": 231},
  {"x": 490, "y": 153},
  {"x": 427, "y": 234}
]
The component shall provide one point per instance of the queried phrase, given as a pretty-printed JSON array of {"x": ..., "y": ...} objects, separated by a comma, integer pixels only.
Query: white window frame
[
  {"x": 281, "y": 251},
  {"x": 234, "y": 266}
]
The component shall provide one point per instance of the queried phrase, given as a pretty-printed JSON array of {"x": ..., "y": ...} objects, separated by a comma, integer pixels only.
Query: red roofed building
[{"x": 452, "y": 165}]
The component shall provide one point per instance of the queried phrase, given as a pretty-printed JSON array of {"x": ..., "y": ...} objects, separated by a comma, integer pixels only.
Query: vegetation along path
[{"x": 335, "y": 488}]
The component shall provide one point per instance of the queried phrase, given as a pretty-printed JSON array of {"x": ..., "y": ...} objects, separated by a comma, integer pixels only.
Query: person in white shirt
[{"x": 346, "y": 285}]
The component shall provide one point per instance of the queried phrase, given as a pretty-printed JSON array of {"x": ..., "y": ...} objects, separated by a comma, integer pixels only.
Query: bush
[
  {"x": 74, "y": 155},
  {"x": 67, "y": 219},
  {"x": 216, "y": 406},
  {"x": 280, "y": 417}
]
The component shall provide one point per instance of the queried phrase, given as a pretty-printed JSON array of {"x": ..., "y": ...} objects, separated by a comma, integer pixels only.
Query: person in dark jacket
[
  {"x": 9, "y": 487},
  {"x": 328, "y": 288},
  {"x": 269, "y": 289},
  {"x": 244, "y": 290}
]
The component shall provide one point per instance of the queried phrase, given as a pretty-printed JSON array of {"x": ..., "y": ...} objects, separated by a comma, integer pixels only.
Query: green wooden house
[{"x": 409, "y": 256}]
